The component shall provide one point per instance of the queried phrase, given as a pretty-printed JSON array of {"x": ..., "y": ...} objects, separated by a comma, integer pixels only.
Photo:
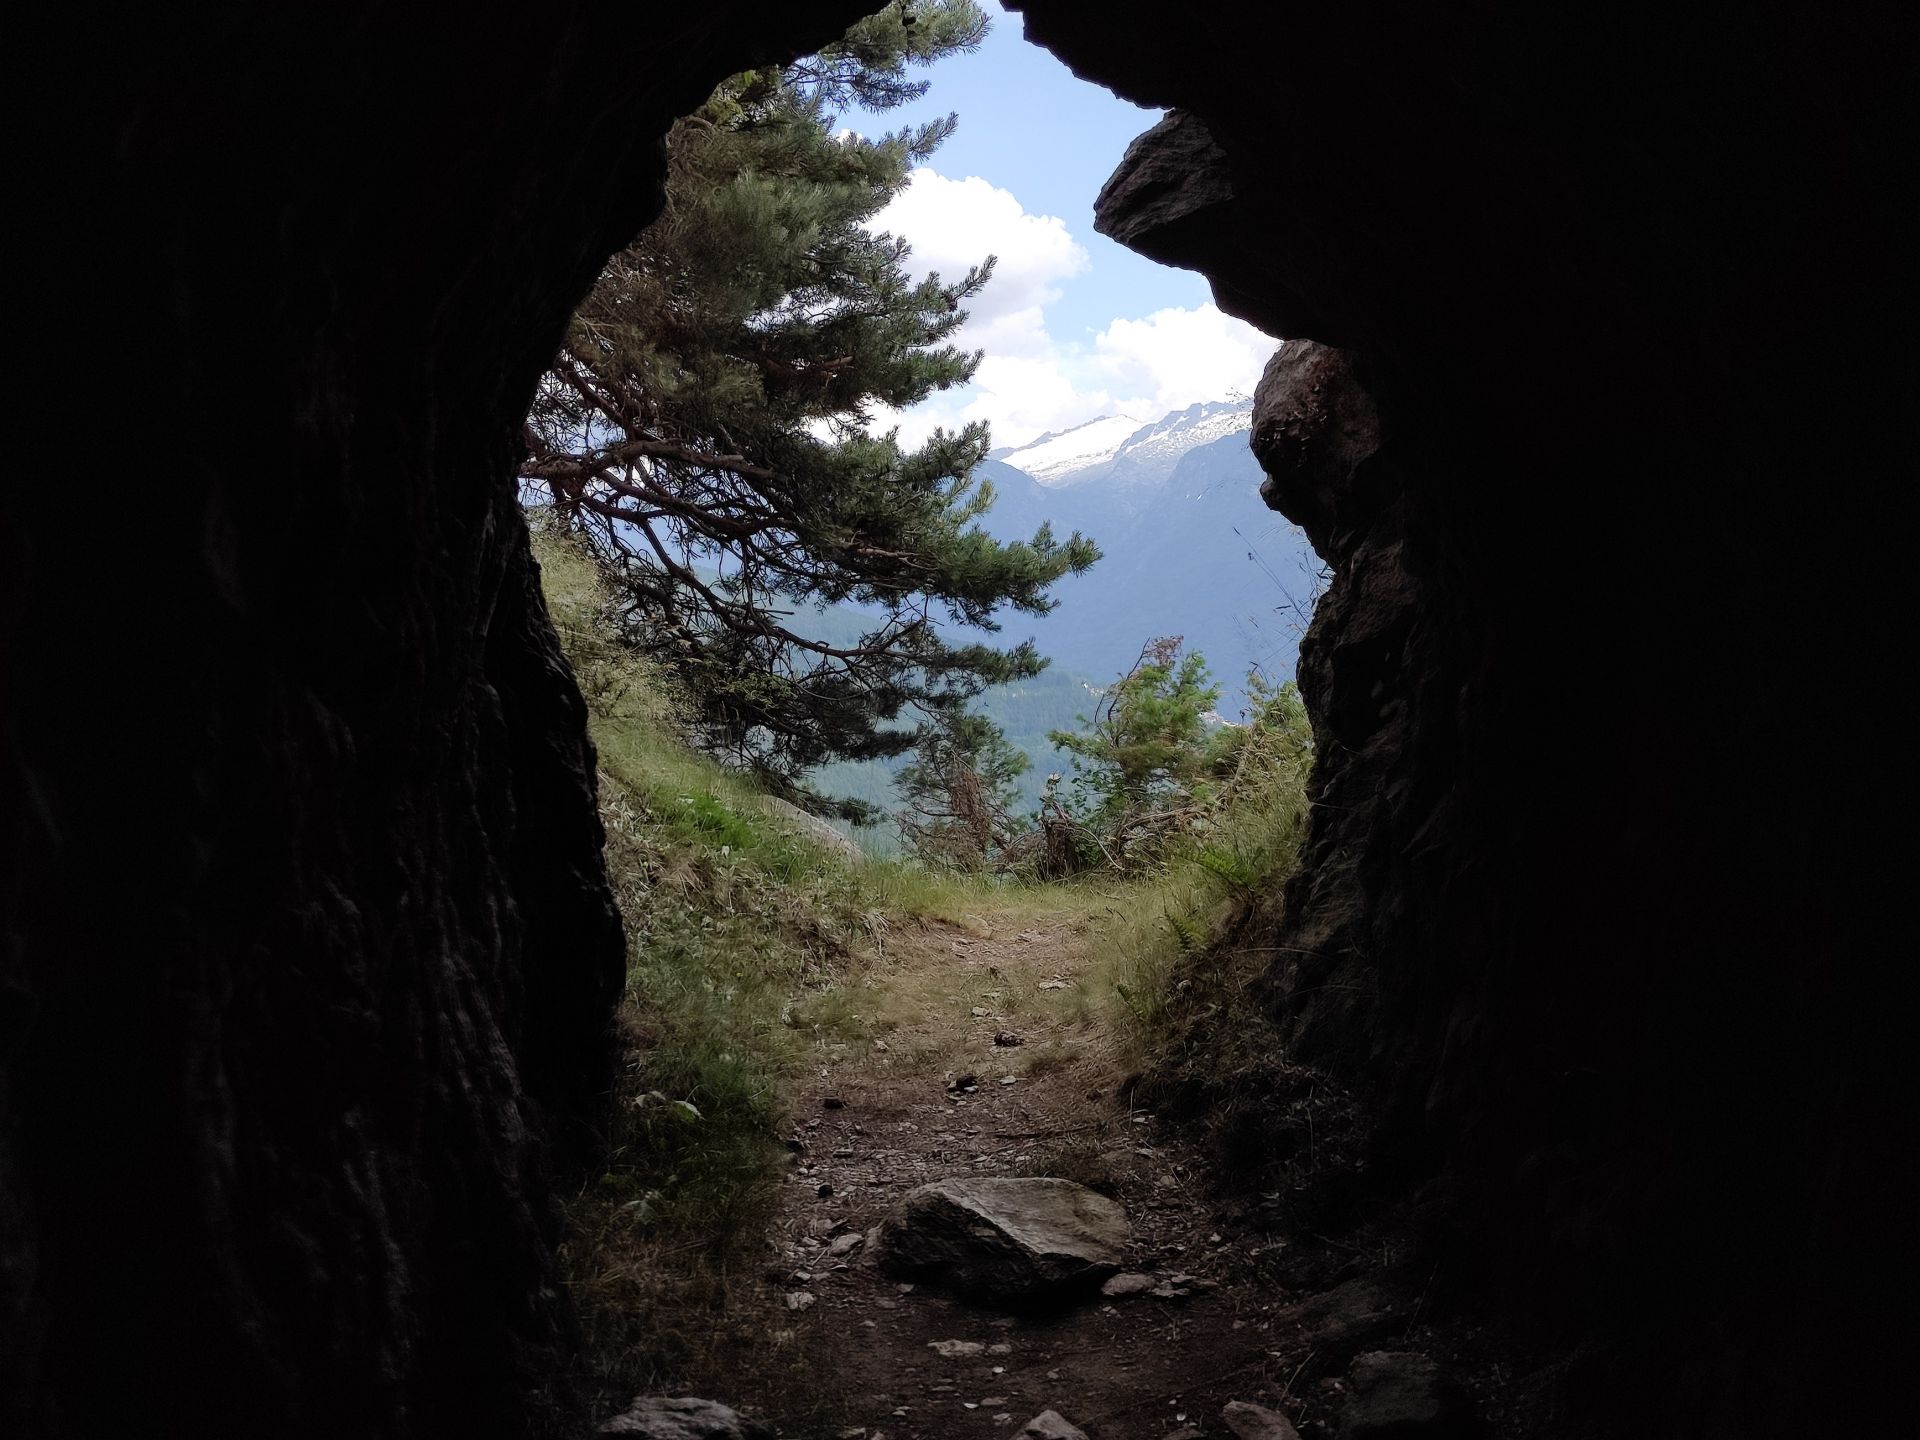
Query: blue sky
[{"x": 1073, "y": 326}]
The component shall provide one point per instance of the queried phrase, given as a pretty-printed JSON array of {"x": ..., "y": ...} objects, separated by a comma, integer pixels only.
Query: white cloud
[
  {"x": 1023, "y": 395},
  {"x": 1176, "y": 357},
  {"x": 1029, "y": 382},
  {"x": 953, "y": 225}
]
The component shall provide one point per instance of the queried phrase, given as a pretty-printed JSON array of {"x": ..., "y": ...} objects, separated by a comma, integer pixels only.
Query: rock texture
[
  {"x": 1600, "y": 784},
  {"x": 1049, "y": 1425},
  {"x": 1256, "y": 1422},
  {"x": 1004, "y": 1240},
  {"x": 307, "y": 958},
  {"x": 658, "y": 1417},
  {"x": 1400, "y": 1395},
  {"x": 1359, "y": 1312},
  {"x": 813, "y": 827}
]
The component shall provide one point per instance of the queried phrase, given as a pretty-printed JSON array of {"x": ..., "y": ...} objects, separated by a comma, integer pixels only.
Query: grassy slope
[{"x": 741, "y": 932}]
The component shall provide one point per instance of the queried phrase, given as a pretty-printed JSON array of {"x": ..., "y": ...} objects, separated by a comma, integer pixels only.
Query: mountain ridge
[
  {"x": 1122, "y": 450},
  {"x": 1188, "y": 548}
]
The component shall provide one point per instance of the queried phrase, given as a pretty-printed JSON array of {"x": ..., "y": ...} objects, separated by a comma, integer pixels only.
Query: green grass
[
  {"x": 747, "y": 940},
  {"x": 1173, "y": 968}
]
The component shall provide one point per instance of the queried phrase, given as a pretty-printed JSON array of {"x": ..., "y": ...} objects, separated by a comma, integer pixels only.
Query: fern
[{"x": 1188, "y": 933}]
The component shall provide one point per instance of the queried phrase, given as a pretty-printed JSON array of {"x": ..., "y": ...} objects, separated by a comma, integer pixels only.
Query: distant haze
[{"x": 1190, "y": 548}]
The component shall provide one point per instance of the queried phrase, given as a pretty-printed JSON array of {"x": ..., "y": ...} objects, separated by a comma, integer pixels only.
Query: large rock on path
[
  {"x": 1257, "y": 1422},
  {"x": 1049, "y": 1425},
  {"x": 657, "y": 1417},
  {"x": 1004, "y": 1240}
]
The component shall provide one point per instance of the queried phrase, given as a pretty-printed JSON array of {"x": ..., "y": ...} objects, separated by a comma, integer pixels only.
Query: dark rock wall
[
  {"x": 1601, "y": 901},
  {"x": 307, "y": 957}
]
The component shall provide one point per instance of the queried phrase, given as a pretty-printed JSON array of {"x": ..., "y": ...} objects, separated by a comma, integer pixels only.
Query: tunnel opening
[{"x": 307, "y": 984}]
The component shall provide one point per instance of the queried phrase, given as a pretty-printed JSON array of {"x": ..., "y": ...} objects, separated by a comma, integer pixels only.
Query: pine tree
[
  {"x": 958, "y": 793},
  {"x": 1142, "y": 761},
  {"x": 708, "y": 427}
]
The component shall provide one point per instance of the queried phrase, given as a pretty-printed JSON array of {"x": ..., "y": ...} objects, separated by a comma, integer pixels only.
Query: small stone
[
  {"x": 1127, "y": 1283},
  {"x": 956, "y": 1349},
  {"x": 1008, "y": 1079},
  {"x": 800, "y": 1299},
  {"x": 1179, "y": 1287},
  {"x": 1257, "y": 1422},
  {"x": 1054, "y": 985},
  {"x": 980, "y": 1012},
  {"x": 993, "y": 1399},
  {"x": 846, "y": 1244},
  {"x": 1049, "y": 1425},
  {"x": 1185, "y": 1432},
  {"x": 1000, "y": 1347}
]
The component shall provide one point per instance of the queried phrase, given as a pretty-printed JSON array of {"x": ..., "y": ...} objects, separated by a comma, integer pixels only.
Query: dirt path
[{"x": 850, "y": 1352}]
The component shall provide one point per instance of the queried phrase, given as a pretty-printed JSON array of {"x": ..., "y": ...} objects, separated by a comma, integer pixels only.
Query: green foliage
[
  {"x": 958, "y": 793},
  {"x": 1142, "y": 762},
  {"x": 731, "y": 911},
  {"x": 1172, "y": 957},
  {"x": 707, "y": 427}
]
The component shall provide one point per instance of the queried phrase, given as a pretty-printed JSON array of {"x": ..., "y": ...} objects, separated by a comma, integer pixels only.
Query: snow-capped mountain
[
  {"x": 1059, "y": 456},
  {"x": 1189, "y": 547},
  {"x": 1152, "y": 452},
  {"x": 1120, "y": 451}
]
